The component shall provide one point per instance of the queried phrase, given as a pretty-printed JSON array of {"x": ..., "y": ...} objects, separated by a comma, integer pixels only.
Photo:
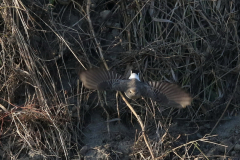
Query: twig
[
  {"x": 141, "y": 124},
  {"x": 93, "y": 34},
  {"x": 226, "y": 106}
]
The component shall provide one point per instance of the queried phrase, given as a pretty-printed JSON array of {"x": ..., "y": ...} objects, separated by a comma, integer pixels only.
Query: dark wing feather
[
  {"x": 100, "y": 79},
  {"x": 167, "y": 94}
]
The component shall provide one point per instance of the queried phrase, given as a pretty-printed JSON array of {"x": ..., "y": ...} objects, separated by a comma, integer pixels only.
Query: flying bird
[{"x": 162, "y": 92}]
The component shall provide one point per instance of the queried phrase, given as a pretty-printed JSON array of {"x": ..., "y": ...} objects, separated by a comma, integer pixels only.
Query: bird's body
[
  {"x": 132, "y": 88},
  {"x": 162, "y": 92}
]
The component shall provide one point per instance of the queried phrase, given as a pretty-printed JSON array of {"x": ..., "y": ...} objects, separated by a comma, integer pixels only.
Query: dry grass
[{"x": 45, "y": 44}]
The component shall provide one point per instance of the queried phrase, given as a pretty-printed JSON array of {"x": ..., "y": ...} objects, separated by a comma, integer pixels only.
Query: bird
[{"x": 161, "y": 92}]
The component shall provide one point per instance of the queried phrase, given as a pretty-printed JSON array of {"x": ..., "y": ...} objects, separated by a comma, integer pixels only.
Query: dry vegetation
[{"x": 46, "y": 113}]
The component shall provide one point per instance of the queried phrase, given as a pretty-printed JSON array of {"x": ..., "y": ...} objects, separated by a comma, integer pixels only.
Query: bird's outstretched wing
[
  {"x": 100, "y": 79},
  {"x": 167, "y": 94}
]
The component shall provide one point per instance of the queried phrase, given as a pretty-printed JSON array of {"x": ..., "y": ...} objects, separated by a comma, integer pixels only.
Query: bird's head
[{"x": 133, "y": 93}]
